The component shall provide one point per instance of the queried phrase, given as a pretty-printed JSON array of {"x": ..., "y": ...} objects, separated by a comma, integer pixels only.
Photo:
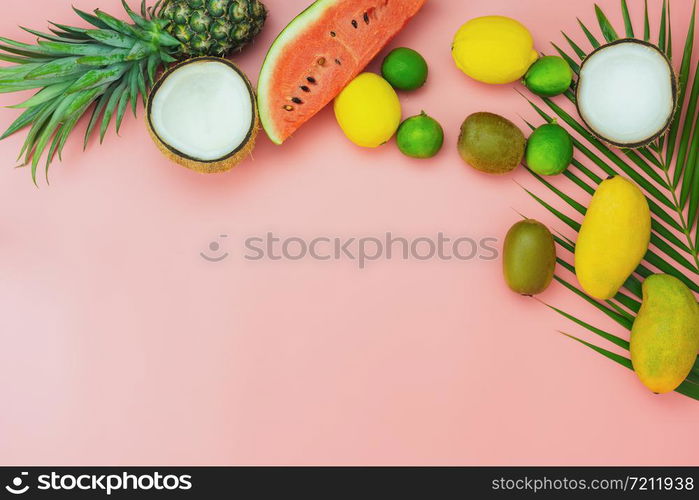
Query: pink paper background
[{"x": 120, "y": 345}]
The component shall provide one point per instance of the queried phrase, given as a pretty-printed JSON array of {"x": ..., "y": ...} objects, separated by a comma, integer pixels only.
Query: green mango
[
  {"x": 529, "y": 257},
  {"x": 665, "y": 334}
]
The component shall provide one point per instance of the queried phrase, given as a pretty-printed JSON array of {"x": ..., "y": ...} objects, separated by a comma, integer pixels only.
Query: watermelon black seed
[
  {"x": 311, "y": 79},
  {"x": 333, "y": 34},
  {"x": 304, "y": 88},
  {"x": 354, "y": 23},
  {"x": 338, "y": 62},
  {"x": 296, "y": 100},
  {"x": 366, "y": 18}
]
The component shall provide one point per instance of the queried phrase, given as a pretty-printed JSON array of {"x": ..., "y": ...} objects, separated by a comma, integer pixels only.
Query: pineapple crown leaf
[
  {"x": 163, "y": 38},
  {"x": 139, "y": 20},
  {"x": 152, "y": 66},
  {"x": 15, "y": 59},
  {"x": 67, "y": 36},
  {"x": 156, "y": 9},
  {"x": 24, "y": 119},
  {"x": 53, "y": 37},
  {"x": 76, "y": 67},
  {"x": 96, "y": 113},
  {"x": 34, "y": 155},
  {"x": 93, "y": 20},
  {"x": 138, "y": 52},
  {"x": 111, "y": 38},
  {"x": 111, "y": 101},
  {"x": 117, "y": 25},
  {"x": 116, "y": 56},
  {"x": 121, "y": 109},
  {"x": 100, "y": 68},
  {"x": 19, "y": 48},
  {"x": 58, "y": 49},
  {"x": 96, "y": 77},
  {"x": 68, "y": 31},
  {"x": 144, "y": 10},
  {"x": 46, "y": 94},
  {"x": 57, "y": 67}
]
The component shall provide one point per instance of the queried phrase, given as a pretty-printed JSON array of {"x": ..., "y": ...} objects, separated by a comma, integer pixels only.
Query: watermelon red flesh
[{"x": 319, "y": 53}]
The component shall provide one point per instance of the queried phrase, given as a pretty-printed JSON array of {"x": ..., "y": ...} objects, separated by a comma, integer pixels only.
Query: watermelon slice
[{"x": 319, "y": 53}]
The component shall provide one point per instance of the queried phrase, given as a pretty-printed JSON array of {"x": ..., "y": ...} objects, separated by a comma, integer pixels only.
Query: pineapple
[
  {"x": 105, "y": 67},
  {"x": 207, "y": 27}
]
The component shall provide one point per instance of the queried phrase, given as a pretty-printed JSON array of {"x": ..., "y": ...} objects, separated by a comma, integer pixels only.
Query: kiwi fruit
[
  {"x": 529, "y": 257},
  {"x": 491, "y": 143}
]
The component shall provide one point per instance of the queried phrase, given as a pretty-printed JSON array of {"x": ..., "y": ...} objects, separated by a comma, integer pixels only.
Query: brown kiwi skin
[
  {"x": 529, "y": 257},
  {"x": 213, "y": 166},
  {"x": 662, "y": 131},
  {"x": 491, "y": 143}
]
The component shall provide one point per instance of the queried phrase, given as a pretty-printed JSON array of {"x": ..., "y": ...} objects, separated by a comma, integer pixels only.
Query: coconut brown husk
[
  {"x": 213, "y": 166},
  {"x": 665, "y": 128}
]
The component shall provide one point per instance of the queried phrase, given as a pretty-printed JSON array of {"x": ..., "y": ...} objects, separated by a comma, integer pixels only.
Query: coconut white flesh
[
  {"x": 625, "y": 92},
  {"x": 203, "y": 110}
]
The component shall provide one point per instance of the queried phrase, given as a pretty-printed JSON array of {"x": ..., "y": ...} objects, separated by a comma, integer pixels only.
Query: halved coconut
[
  {"x": 627, "y": 92},
  {"x": 202, "y": 114}
]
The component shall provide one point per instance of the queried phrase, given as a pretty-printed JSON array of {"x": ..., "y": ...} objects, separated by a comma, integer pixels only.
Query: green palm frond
[{"x": 666, "y": 170}]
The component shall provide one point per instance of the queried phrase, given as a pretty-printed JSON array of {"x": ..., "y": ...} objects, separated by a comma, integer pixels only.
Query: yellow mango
[
  {"x": 613, "y": 238},
  {"x": 665, "y": 334}
]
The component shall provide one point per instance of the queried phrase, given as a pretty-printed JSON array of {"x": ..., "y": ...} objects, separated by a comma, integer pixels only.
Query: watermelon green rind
[
  {"x": 288, "y": 34},
  {"x": 319, "y": 53}
]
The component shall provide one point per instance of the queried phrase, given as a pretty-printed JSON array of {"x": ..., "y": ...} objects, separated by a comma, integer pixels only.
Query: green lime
[
  {"x": 549, "y": 76},
  {"x": 404, "y": 69},
  {"x": 549, "y": 150},
  {"x": 420, "y": 136}
]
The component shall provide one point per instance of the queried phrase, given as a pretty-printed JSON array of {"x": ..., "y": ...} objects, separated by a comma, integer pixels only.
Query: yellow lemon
[
  {"x": 494, "y": 49},
  {"x": 368, "y": 110}
]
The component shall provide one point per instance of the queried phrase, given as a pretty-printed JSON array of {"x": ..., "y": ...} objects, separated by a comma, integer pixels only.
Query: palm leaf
[
  {"x": 590, "y": 37},
  {"x": 624, "y": 344},
  {"x": 666, "y": 170},
  {"x": 688, "y": 388},
  {"x": 628, "y": 25},
  {"x": 614, "y": 357},
  {"x": 682, "y": 92},
  {"x": 607, "y": 29},
  {"x": 658, "y": 211},
  {"x": 662, "y": 32},
  {"x": 646, "y": 23}
]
